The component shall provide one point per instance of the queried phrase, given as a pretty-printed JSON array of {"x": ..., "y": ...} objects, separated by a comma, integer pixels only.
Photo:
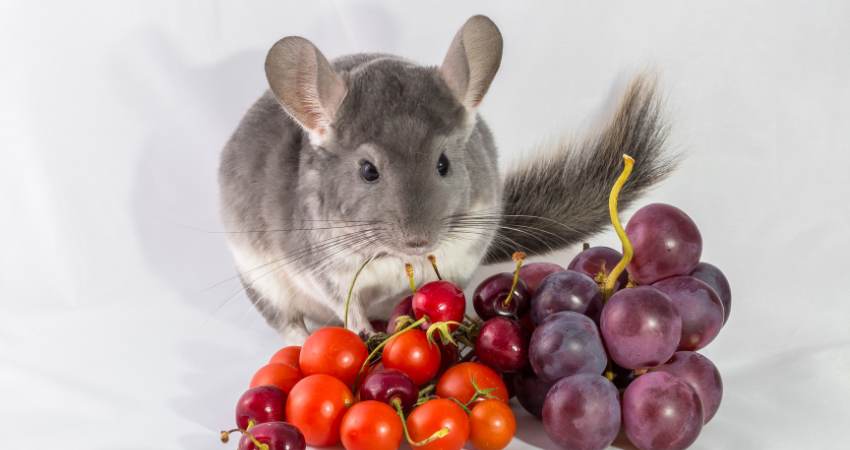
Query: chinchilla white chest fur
[{"x": 374, "y": 156}]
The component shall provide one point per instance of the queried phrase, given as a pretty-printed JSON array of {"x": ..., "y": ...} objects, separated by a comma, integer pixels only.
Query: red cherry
[
  {"x": 260, "y": 405},
  {"x": 440, "y": 300}
]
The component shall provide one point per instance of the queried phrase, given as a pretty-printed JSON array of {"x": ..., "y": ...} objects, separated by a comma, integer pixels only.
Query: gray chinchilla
[{"x": 374, "y": 156}]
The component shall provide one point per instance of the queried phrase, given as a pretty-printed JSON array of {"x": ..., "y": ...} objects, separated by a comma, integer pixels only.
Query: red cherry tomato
[
  {"x": 287, "y": 355},
  {"x": 457, "y": 382},
  {"x": 439, "y": 300},
  {"x": 411, "y": 353},
  {"x": 333, "y": 351},
  {"x": 316, "y": 406},
  {"x": 491, "y": 425},
  {"x": 434, "y": 415},
  {"x": 281, "y": 376},
  {"x": 371, "y": 425}
]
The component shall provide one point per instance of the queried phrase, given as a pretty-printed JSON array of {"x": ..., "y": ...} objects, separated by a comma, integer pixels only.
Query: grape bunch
[
  {"x": 605, "y": 345},
  {"x": 614, "y": 337}
]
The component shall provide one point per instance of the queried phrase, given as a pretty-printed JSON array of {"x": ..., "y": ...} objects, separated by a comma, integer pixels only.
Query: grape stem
[
  {"x": 628, "y": 251},
  {"x": 351, "y": 291},
  {"x": 433, "y": 260},
  {"x": 441, "y": 433},
  {"x": 518, "y": 258}
]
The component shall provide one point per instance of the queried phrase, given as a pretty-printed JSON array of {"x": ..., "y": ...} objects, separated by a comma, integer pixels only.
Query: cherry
[
  {"x": 403, "y": 308},
  {"x": 272, "y": 436},
  {"x": 260, "y": 405},
  {"x": 441, "y": 301},
  {"x": 503, "y": 294},
  {"x": 502, "y": 344},
  {"x": 385, "y": 385},
  {"x": 534, "y": 273}
]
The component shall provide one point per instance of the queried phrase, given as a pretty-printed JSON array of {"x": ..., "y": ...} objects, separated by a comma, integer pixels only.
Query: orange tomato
[
  {"x": 333, "y": 351},
  {"x": 411, "y": 353},
  {"x": 371, "y": 425},
  {"x": 281, "y": 376},
  {"x": 457, "y": 382},
  {"x": 287, "y": 355},
  {"x": 433, "y": 415},
  {"x": 316, "y": 406},
  {"x": 492, "y": 425}
]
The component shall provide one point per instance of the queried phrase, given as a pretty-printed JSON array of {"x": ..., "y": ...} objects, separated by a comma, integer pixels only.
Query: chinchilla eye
[
  {"x": 443, "y": 165},
  {"x": 368, "y": 171}
]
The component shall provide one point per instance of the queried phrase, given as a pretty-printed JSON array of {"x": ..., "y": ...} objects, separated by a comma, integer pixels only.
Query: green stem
[
  {"x": 518, "y": 257},
  {"x": 628, "y": 251},
  {"x": 351, "y": 290}
]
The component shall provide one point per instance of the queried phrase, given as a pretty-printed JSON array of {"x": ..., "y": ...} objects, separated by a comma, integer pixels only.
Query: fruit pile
[{"x": 605, "y": 346}]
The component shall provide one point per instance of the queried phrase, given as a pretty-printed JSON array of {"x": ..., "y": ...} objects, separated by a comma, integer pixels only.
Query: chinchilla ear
[
  {"x": 305, "y": 84},
  {"x": 472, "y": 60}
]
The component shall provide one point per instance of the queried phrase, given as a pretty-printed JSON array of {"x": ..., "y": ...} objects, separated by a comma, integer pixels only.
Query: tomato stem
[
  {"x": 433, "y": 260},
  {"x": 628, "y": 251},
  {"x": 518, "y": 258},
  {"x": 442, "y": 432},
  {"x": 351, "y": 291}
]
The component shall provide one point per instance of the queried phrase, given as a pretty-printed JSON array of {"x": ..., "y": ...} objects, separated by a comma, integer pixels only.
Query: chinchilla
[{"x": 374, "y": 156}]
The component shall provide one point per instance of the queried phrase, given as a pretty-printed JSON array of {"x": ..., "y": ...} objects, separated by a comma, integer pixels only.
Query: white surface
[{"x": 114, "y": 333}]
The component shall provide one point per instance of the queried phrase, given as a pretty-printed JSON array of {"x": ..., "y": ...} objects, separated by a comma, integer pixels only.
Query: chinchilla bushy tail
[{"x": 560, "y": 198}]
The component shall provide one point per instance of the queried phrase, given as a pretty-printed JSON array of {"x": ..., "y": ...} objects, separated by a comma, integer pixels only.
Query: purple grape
[
  {"x": 565, "y": 344},
  {"x": 384, "y": 385},
  {"x": 489, "y": 297},
  {"x": 403, "y": 308},
  {"x": 502, "y": 345},
  {"x": 701, "y": 374},
  {"x": 698, "y": 306},
  {"x": 276, "y": 436},
  {"x": 666, "y": 243},
  {"x": 715, "y": 278},
  {"x": 566, "y": 291},
  {"x": 582, "y": 412},
  {"x": 531, "y": 391},
  {"x": 534, "y": 273},
  {"x": 661, "y": 412},
  {"x": 641, "y": 327},
  {"x": 597, "y": 262}
]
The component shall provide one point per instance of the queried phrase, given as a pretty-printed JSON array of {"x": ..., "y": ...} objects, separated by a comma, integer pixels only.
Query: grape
[
  {"x": 531, "y": 391},
  {"x": 502, "y": 344},
  {"x": 715, "y": 278},
  {"x": 661, "y": 412},
  {"x": 641, "y": 327},
  {"x": 489, "y": 297},
  {"x": 701, "y": 374},
  {"x": 565, "y": 344},
  {"x": 698, "y": 306},
  {"x": 534, "y": 273},
  {"x": 582, "y": 412},
  {"x": 599, "y": 260},
  {"x": 566, "y": 291},
  {"x": 666, "y": 243}
]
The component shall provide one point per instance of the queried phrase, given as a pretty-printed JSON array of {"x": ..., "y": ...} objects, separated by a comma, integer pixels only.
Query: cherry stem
[
  {"x": 409, "y": 269},
  {"x": 433, "y": 260},
  {"x": 351, "y": 291},
  {"x": 628, "y": 251},
  {"x": 383, "y": 344},
  {"x": 518, "y": 258},
  {"x": 441, "y": 433},
  {"x": 225, "y": 436}
]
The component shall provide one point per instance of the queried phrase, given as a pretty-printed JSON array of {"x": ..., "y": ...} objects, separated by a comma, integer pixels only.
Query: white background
[{"x": 114, "y": 333}]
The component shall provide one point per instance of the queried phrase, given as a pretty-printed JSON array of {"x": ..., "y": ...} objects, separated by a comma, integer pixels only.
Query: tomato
[
  {"x": 457, "y": 382},
  {"x": 333, "y": 351},
  {"x": 411, "y": 353},
  {"x": 287, "y": 355},
  {"x": 316, "y": 406},
  {"x": 491, "y": 425},
  {"x": 434, "y": 415},
  {"x": 371, "y": 425},
  {"x": 281, "y": 376}
]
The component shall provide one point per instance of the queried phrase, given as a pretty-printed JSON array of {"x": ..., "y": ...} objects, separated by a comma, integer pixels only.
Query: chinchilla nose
[{"x": 416, "y": 243}]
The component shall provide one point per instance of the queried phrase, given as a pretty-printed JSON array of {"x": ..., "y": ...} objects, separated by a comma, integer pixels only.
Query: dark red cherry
[
  {"x": 403, "y": 308},
  {"x": 489, "y": 297},
  {"x": 260, "y": 404},
  {"x": 384, "y": 385},
  {"x": 275, "y": 435},
  {"x": 502, "y": 344}
]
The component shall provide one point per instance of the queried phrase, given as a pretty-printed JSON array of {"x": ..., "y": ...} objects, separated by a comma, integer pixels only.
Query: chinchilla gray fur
[{"x": 372, "y": 156}]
